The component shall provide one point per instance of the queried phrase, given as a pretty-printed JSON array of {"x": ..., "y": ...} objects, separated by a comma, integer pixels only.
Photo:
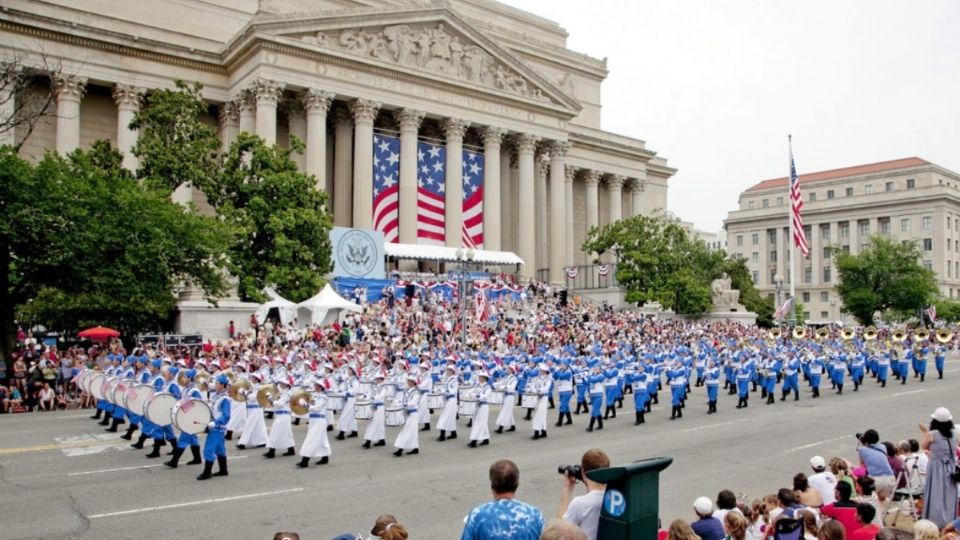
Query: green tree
[
  {"x": 885, "y": 276},
  {"x": 82, "y": 242},
  {"x": 947, "y": 310},
  {"x": 282, "y": 220}
]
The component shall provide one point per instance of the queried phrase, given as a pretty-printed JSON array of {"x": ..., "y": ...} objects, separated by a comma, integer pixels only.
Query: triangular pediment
[{"x": 434, "y": 41}]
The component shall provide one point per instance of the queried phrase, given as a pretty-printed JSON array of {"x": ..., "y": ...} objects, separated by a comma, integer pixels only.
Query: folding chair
[{"x": 909, "y": 494}]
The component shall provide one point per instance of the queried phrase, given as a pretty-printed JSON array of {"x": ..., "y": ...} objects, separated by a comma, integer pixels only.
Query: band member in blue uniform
[
  {"x": 141, "y": 376},
  {"x": 815, "y": 370},
  {"x": 185, "y": 440},
  {"x": 610, "y": 392},
  {"x": 711, "y": 378},
  {"x": 939, "y": 356},
  {"x": 883, "y": 366},
  {"x": 563, "y": 379},
  {"x": 921, "y": 369},
  {"x": 583, "y": 393},
  {"x": 595, "y": 387},
  {"x": 743, "y": 383},
  {"x": 215, "y": 447},
  {"x": 790, "y": 379},
  {"x": 638, "y": 383},
  {"x": 857, "y": 366},
  {"x": 677, "y": 388}
]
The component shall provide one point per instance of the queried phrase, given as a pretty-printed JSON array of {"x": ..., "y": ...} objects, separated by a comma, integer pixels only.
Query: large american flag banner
[
  {"x": 796, "y": 204},
  {"x": 472, "y": 199},
  {"x": 386, "y": 186},
  {"x": 431, "y": 196}
]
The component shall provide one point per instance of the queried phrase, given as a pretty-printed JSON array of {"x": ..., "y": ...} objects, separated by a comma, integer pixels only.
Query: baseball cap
[
  {"x": 703, "y": 506},
  {"x": 942, "y": 414},
  {"x": 817, "y": 462}
]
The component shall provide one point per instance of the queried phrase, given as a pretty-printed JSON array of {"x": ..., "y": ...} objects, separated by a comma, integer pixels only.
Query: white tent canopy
[
  {"x": 286, "y": 308},
  {"x": 324, "y": 308},
  {"x": 444, "y": 253}
]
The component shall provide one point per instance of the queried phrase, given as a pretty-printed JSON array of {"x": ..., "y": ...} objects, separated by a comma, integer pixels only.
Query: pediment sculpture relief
[{"x": 430, "y": 48}]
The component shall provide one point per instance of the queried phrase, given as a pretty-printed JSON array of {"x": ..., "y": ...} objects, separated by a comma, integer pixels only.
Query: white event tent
[
  {"x": 285, "y": 308},
  {"x": 324, "y": 308}
]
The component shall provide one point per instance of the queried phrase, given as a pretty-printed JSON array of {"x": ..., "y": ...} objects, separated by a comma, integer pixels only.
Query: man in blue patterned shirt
[{"x": 503, "y": 518}]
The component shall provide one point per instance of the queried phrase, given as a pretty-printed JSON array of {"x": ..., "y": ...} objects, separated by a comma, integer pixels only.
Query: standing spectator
[
  {"x": 584, "y": 511},
  {"x": 4, "y": 399},
  {"x": 680, "y": 530},
  {"x": 735, "y": 525},
  {"x": 940, "y": 492},
  {"x": 49, "y": 370},
  {"x": 47, "y": 397},
  {"x": 822, "y": 480},
  {"x": 706, "y": 526},
  {"x": 865, "y": 518},
  {"x": 3, "y": 371},
  {"x": 505, "y": 517},
  {"x": 20, "y": 374},
  {"x": 232, "y": 330}
]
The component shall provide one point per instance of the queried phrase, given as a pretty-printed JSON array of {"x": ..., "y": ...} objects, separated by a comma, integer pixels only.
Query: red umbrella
[{"x": 99, "y": 333}]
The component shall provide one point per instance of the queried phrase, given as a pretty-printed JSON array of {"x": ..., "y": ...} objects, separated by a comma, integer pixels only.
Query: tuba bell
[
  {"x": 774, "y": 333},
  {"x": 235, "y": 387},
  {"x": 899, "y": 335},
  {"x": 823, "y": 333},
  {"x": 799, "y": 332},
  {"x": 266, "y": 394},
  {"x": 921, "y": 335},
  {"x": 847, "y": 334},
  {"x": 870, "y": 333},
  {"x": 300, "y": 402},
  {"x": 944, "y": 335}
]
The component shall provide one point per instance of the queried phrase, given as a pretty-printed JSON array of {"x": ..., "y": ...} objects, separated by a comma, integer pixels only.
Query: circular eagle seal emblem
[{"x": 357, "y": 253}]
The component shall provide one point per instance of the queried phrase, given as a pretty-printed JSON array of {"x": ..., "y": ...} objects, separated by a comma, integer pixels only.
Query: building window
[
  {"x": 755, "y": 238},
  {"x": 779, "y": 201},
  {"x": 749, "y": 205},
  {"x": 926, "y": 223},
  {"x": 949, "y": 269},
  {"x": 888, "y": 186},
  {"x": 845, "y": 249},
  {"x": 928, "y": 264},
  {"x": 928, "y": 244},
  {"x": 949, "y": 244},
  {"x": 812, "y": 196},
  {"x": 849, "y": 192},
  {"x": 808, "y": 274},
  {"x": 885, "y": 226},
  {"x": 911, "y": 183},
  {"x": 825, "y": 232},
  {"x": 824, "y": 296},
  {"x": 765, "y": 203},
  {"x": 823, "y": 315},
  {"x": 956, "y": 246},
  {"x": 827, "y": 252},
  {"x": 806, "y": 297},
  {"x": 755, "y": 257},
  {"x": 829, "y": 193},
  {"x": 826, "y": 274},
  {"x": 806, "y": 316},
  {"x": 773, "y": 256},
  {"x": 756, "y": 277},
  {"x": 772, "y": 237},
  {"x": 948, "y": 223},
  {"x": 739, "y": 240},
  {"x": 905, "y": 225},
  {"x": 808, "y": 232},
  {"x": 868, "y": 189},
  {"x": 773, "y": 276},
  {"x": 864, "y": 229},
  {"x": 844, "y": 230}
]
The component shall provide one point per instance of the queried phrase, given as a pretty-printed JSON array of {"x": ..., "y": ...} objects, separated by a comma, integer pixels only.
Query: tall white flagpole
[{"x": 792, "y": 243}]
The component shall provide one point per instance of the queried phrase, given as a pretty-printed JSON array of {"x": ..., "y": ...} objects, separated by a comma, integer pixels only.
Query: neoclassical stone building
[{"x": 471, "y": 74}]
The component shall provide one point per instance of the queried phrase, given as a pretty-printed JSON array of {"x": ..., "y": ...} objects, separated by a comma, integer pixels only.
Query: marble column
[
  {"x": 569, "y": 177},
  {"x": 267, "y": 94},
  {"x": 343, "y": 168},
  {"x": 364, "y": 113},
  {"x": 409, "y": 121},
  {"x": 229, "y": 124},
  {"x": 128, "y": 99},
  {"x": 70, "y": 91},
  {"x": 542, "y": 211},
  {"x": 316, "y": 103},
  {"x": 454, "y": 129},
  {"x": 491, "y": 187},
  {"x": 508, "y": 200},
  {"x": 297, "y": 129},
  {"x": 615, "y": 187},
  {"x": 526, "y": 146},
  {"x": 558, "y": 210},
  {"x": 637, "y": 187},
  {"x": 248, "y": 112},
  {"x": 592, "y": 180}
]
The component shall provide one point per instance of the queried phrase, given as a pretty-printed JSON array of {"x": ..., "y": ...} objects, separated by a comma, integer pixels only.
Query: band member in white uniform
[
  {"x": 541, "y": 386},
  {"x": 254, "y": 432},
  {"x": 316, "y": 443},
  {"x": 409, "y": 438},
  {"x": 509, "y": 387},
  {"x": 425, "y": 387},
  {"x": 376, "y": 432},
  {"x": 480, "y": 432},
  {"x": 348, "y": 416},
  {"x": 238, "y": 418},
  {"x": 281, "y": 432},
  {"x": 447, "y": 423}
]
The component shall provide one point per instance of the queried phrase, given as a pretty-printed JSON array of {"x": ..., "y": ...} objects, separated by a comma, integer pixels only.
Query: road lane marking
[
  {"x": 194, "y": 503},
  {"x": 811, "y": 445},
  {"x": 121, "y": 469},
  {"x": 707, "y": 426},
  {"x": 908, "y": 393},
  {"x": 64, "y": 445}
]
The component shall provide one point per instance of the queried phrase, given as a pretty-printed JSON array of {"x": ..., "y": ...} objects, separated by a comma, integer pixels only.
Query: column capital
[
  {"x": 70, "y": 87},
  {"x": 455, "y": 128},
  {"x": 408, "y": 119},
  {"x": 570, "y": 172},
  {"x": 543, "y": 163},
  {"x": 317, "y": 100},
  {"x": 244, "y": 102},
  {"x": 365, "y": 110},
  {"x": 127, "y": 96},
  {"x": 267, "y": 91},
  {"x": 638, "y": 184},
  {"x": 592, "y": 177},
  {"x": 229, "y": 113},
  {"x": 493, "y": 136},
  {"x": 526, "y": 142},
  {"x": 558, "y": 149},
  {"x": 616, "y": 181}
]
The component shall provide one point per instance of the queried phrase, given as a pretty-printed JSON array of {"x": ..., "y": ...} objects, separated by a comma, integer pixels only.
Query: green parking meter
[{"x": 631, "y": 503}]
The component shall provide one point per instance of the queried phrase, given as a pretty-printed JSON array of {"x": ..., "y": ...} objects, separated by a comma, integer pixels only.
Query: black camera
[
  {"x": 574, "y": 471},
  {"x": 859, "y": 437}
]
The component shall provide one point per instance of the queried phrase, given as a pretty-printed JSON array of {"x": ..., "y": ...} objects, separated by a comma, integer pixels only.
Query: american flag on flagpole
[
  {"x": 431, "y": 196},
  {"x": 932, "y": 313},
  {"x": 796, "y": 204},
  {"x": 473, "y": 164},
  {"x": 386, "y": 186}
]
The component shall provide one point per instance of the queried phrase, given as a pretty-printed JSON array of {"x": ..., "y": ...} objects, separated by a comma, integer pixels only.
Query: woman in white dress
[
  {"x": 447, "y": 423},
  {"x": 409, "y": 437},
  {"x": 541, "y": 386},
  {"x": 376, "y": 432},
  {"x": 254, "y": 432},
  {"x": 348, "y": 416},
  {"x": 238, "y": 417},
  {"x": 480, "y": 432},
  {"x": 425, "y": 386},
  {"x": 281, "y": 431},
  {"x": 316, "y": 443},
  {"x": 505, "y": 418}
]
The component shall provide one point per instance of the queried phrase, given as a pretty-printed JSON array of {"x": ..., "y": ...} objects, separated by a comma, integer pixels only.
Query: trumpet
[
  {"x": 944, "y": 335},
  {"x": 870, "y": 333}
]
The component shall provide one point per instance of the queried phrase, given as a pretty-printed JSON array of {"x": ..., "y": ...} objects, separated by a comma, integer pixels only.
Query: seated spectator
[
  {"x": 46, "y": 397},
  {"x": 927, "y": 530},
  {"x": 841, "y": 470},
  {"x": 865, "y": 518},
  {"x": 561, "y": 529},
  {"x": 806, "y": 494},
  {"x": 844, "y": 510},
  {"x": 4, "y": 399},
  {"x": 706, "y": 526},
  {"x": 896, "y": 463},
  {"x": 680, "y": 530},
  {"x": 831, "y": 530},
  {"x": 16, "y": 398},
  {"x": 756, "y": 519},
  {"x": 771, "y": 509},
  {"x": 809, "y": 524},
  {"x": 584, "y": 511},
  {"x": 726, "y": 501},
  {"x": 735, "y": 526},
  {"x": 822, "y": 480},
  {"x": 286, "y": 536},
  {"x": 867, "y": 494},
  {"x": 388, "y": 528},
  {"x": 505, "y": 517},
  {"x": 952, "y": 530},
  {"x": 789, "y": 508},
  {"x": 888, "y": 533}
]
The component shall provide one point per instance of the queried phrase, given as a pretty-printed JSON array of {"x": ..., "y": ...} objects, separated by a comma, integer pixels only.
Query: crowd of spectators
[{"x": 38, "y": 377}]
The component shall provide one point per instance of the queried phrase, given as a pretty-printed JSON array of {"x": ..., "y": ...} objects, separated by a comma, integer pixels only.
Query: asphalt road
[{"x": 61, "y": 476}]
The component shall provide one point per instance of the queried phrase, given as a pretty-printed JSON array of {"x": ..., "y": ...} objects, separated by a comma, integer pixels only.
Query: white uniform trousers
[
  {"x": 408, "y": 438},
  {"x": 316, "y": 444},
  {"x": 281, "y": 432},
  {"x": 540, "y": 415},
  {"x": 348, "y": 418},
  {"x": 238, "y": 416},
  {"x": 423, "y": 412},
  {"x": 481, "y": 430},
  {"x": 448, "y": 416},
  {"x": 254, "y": 431},
  {"x": 376, "y": 428},
  {"x": 505, "y": 418}
]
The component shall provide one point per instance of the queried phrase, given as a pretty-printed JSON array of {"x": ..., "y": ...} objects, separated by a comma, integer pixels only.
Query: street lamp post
[
  {"x": 778, "y": 279},
  {"x": 462, "y": 276}
]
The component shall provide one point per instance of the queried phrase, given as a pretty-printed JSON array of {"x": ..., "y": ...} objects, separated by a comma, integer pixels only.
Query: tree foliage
[{"x": 886, "y": 276}]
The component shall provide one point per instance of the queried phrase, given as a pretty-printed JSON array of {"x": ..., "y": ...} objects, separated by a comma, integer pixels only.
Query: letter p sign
[{"x": 614, "y": 502}]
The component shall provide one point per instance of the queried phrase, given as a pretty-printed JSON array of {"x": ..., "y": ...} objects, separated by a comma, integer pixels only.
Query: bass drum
[
  {"x": 137, "y": 398},
  {"x": 120, "y": 393},
  {"x": 107, "y": 387},
  {"x": 158, "y": 408},
  {"x": 95, "y": 384},
  {"x": 81, "y": 380},
  {"x": 191, "y": 415}
]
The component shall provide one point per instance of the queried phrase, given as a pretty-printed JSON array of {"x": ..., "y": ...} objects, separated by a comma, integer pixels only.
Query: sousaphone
[
  {"x": 921, "y": 335},
  {"x": 266, "y": 394},
  {"x": 944, "y": 335},
  {"x": 799, "y": 332}
]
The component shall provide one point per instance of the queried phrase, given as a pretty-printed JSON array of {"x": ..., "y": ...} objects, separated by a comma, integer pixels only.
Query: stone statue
[{"x": 724, "y": 295}]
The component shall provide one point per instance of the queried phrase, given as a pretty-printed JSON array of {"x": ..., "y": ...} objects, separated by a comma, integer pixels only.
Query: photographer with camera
[
  {"x": 583, "y": 511},
  {"x": 873, "y": 457}
]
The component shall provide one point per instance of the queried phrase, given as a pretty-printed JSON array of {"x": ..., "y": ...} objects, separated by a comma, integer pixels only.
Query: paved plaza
[{"x": 61, "y": 476}]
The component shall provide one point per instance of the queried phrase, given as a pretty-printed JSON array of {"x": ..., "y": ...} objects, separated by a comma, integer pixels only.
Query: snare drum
[
  {"x": 389, "y": 391},
  {"x": 496, "y": 397},
  {"x": 335, "y": 402},
  {"x": 436, "y": 401},
  {"x": 158, "y": 408},
  {"x": 466, "y": 391},
  {"x": 191, "y": 415},
  {"x": 136, "y": 403},
  {"x": 365, "y": 388},
  {"x": 364, "y": 409},
  {"x": 467, "y": 407},
  {"x": 529, "y": 401},
  {"x": 394, "y": 416}
]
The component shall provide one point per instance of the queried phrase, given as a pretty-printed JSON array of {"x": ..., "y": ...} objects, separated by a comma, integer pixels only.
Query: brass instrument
[
  {"x": 870, "y": 333},
  {"x": 182, "y": 378},
  {"x": 774, "y": 333},
  {"x": 899, "y": 335},
  {"x": 847, "y": 334},
  {"x": 300, "y": 402},
  {"x": 823, "y": 333},
  {"x": 234, "y": 390},
  {"x": 944, "y": 335},
  {"x": 799, "y": 332},
  {"x": 921, "y": 335},
  {"x": 203, "y": 381},
  {"x": 266, "y": 394}
]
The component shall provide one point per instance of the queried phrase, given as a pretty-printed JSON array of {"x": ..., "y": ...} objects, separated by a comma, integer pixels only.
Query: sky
[{"x": 715, "y": 86}]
